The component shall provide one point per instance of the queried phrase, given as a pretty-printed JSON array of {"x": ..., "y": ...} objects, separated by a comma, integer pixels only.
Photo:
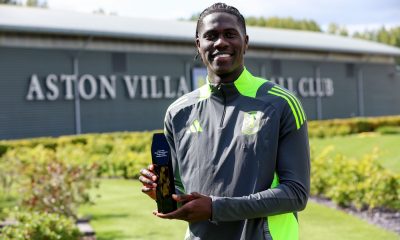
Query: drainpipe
[
  {"x": 77, "y": 103},
  {"x": 263, "y": 71},
  {"x": 317, "y": 74},
  {"x": 360, "y": 91}
]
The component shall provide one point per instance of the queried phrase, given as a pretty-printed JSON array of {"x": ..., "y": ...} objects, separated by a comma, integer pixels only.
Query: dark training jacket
[{"x": 245, "y": 144}]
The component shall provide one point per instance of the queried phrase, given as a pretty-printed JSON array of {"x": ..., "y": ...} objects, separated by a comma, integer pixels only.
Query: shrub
[
  {"x": 9, "y": 172},
  {"x": 388, "y": 130},
  {"x": 51, "y": 183},
  {"x": 3, "y": 149},
  {"x": 335, "y": 127},
  {"x": 39, "y": 226},
  {"x": 361, "y": 183},
  {"x": 119, "y": 154}
]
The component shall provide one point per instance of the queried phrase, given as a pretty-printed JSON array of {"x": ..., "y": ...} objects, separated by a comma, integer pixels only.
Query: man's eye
[
  {"x": 209, "y": 36},
  {"x": 230, "y": 35}
]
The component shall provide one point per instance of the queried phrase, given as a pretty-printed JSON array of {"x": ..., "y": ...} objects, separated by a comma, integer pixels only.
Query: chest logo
[
  {"x": 251, "y": 122},
  {"x": 195, "y": 127}
]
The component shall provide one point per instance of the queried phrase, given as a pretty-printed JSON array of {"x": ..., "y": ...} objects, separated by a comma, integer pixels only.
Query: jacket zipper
[{"x": 223, "y": 113}]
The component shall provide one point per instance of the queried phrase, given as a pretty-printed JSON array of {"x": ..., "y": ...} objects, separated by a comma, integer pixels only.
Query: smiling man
[{"x": 239, "y": 144}]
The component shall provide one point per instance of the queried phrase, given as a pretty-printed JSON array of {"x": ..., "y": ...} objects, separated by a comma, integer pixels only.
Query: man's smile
[{"x": 221, "y": 56}]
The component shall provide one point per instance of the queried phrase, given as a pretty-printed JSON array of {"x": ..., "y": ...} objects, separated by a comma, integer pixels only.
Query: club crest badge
[{"x": 251, "y": 122}]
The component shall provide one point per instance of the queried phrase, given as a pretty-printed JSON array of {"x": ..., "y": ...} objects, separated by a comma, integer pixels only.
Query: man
[{"x": 239, "y": 144}]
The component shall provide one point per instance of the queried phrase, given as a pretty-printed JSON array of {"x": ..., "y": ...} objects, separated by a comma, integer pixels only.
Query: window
[
  {"x": 350, "y": 70},
  {"x": 118, "y": 62},
  {"x": 276, "y": 67}
]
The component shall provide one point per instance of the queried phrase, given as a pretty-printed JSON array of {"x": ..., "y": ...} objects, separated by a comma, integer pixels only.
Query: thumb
[{"x": 182, "y": 197}]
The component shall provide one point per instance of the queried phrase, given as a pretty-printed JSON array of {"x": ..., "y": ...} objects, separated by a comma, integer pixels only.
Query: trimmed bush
[
  {"x": 341, "y": 127},
  {"x": 120, "y": 154},
  {"x": 49, "y": 181},
  {"x": 361, "y": 183},
  {"x": 39, "y": 226},
  {"x": 388, "y": 130}
]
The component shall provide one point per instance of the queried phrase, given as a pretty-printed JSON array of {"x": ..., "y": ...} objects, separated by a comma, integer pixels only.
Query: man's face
[{"x": 221, "y": 43}]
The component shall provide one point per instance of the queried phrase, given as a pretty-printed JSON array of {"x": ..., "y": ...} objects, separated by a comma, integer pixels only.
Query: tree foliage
[
  {"x": 335, "y": 29},
  {"x": 9, "y": 2},
  {"x": 286, "y": 23},
  {"x": 390, "y": 36},
  {"x": 28, "y": 3},
  {"x": 36, "y": 3}
]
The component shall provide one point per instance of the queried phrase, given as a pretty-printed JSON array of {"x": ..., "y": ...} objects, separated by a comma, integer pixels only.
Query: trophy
[{"x": 161, "y": 158}]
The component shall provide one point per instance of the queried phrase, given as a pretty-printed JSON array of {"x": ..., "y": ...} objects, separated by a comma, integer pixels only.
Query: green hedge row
[
  {"x": 39, "y": 226},
  {"x": 361, "y": 183},
  {"x": 341, "y": 127},
  {"x": 120, "y": 154}
]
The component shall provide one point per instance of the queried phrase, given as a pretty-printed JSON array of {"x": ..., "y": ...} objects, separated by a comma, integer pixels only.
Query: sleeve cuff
[{"x": 214, "y": 209}]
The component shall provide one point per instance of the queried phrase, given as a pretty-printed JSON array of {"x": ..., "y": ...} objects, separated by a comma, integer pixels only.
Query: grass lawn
[
  {"x": 355, "y": 146},
  {"x": 123, "y": 212}
]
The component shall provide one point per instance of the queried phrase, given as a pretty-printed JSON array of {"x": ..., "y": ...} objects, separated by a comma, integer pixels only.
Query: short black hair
[{"x": 221, "y": 7}]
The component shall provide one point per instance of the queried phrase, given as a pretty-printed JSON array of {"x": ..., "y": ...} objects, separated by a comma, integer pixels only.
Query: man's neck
[{"x": 224, "y": 78}]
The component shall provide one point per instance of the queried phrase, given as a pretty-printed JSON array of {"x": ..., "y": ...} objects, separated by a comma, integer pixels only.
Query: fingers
[
  {"x": 147, "y": 189},
  {"x": 148, "y": 173},
  {"x": 147, "y": 182}
]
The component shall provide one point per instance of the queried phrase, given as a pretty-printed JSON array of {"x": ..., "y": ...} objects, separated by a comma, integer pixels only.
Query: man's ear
[
  {"x": 246, "y": 42},
  {"x": 198, "y": 51},
  {"x": 197, "y": 42}
]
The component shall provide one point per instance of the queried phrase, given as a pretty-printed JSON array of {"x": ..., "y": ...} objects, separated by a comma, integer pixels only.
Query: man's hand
[
  {"x": 148, "y": 178},
  {"x": 196, "y": 207}
]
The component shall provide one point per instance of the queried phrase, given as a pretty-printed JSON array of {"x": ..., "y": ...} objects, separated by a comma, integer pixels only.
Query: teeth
[{"x": 222, "y": 55}]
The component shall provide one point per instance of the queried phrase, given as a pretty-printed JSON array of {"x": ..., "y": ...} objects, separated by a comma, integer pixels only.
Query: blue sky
[{"x": 354, "y": 14}]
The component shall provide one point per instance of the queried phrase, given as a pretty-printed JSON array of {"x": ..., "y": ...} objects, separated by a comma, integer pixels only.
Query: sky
[{"x": 355, "y": 15}]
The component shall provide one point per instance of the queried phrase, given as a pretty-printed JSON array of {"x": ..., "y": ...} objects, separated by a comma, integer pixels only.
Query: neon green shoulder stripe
[
  {"x": 300, "y": 107},
  {"x": 291, "y": 97},
  {"x": 290, "y": 105},
  {"x": 247, "y": 84}
]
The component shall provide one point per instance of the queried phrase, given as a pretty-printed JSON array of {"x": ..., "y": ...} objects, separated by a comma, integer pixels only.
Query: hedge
[
  {"x": 341, "y": 127},
  {"x": 361, "y": 183},
  {"x": 39, "y": 226}
]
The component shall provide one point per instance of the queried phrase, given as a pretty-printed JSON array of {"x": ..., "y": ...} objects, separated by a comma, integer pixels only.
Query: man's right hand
[{"x": 148, "y": 178}]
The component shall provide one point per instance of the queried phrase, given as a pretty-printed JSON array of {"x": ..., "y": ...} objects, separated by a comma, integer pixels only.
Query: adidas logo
[{"x": 195, "y": 127}]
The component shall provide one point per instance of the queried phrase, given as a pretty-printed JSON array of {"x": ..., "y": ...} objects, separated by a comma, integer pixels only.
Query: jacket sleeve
[
  {"x": 289, "y": 195},
  {"x": 168, "y": 132}
]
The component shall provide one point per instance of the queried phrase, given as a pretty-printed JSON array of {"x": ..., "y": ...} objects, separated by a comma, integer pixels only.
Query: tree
[
  {"x": 36, "y": 3},
  {"x": 333, "y": 28},
  {"x": 287, "y": 23},
  {"x": 343, "y": 32},
  {"x": 194, "y": 16},
  {"x": 9, "y": 2},
  {"x": 387, "y": 36}
]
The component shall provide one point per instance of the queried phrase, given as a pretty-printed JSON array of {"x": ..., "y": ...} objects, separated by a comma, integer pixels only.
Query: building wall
[
  {"x": 21, "y": 118},
  {"x": 381, "y": 90}
]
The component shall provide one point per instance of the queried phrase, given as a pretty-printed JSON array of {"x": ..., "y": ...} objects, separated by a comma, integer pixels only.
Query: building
[{"x": 65, "y": 72}]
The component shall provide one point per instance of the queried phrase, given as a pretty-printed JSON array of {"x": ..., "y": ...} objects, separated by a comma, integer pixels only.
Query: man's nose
[{"x": 221, "y": 42}]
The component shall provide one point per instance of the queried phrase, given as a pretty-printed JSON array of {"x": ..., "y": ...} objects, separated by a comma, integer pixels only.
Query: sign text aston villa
[
  {"x": 54, "y": 87},
  {"x": 88, "y": 87}
]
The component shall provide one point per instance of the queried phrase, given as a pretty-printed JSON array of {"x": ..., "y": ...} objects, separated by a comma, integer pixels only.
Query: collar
[{"x": 246, "y": 84}]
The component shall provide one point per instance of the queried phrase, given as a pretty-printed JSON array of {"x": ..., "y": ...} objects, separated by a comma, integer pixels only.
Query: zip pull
[{"x": 221, "y": 124}]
